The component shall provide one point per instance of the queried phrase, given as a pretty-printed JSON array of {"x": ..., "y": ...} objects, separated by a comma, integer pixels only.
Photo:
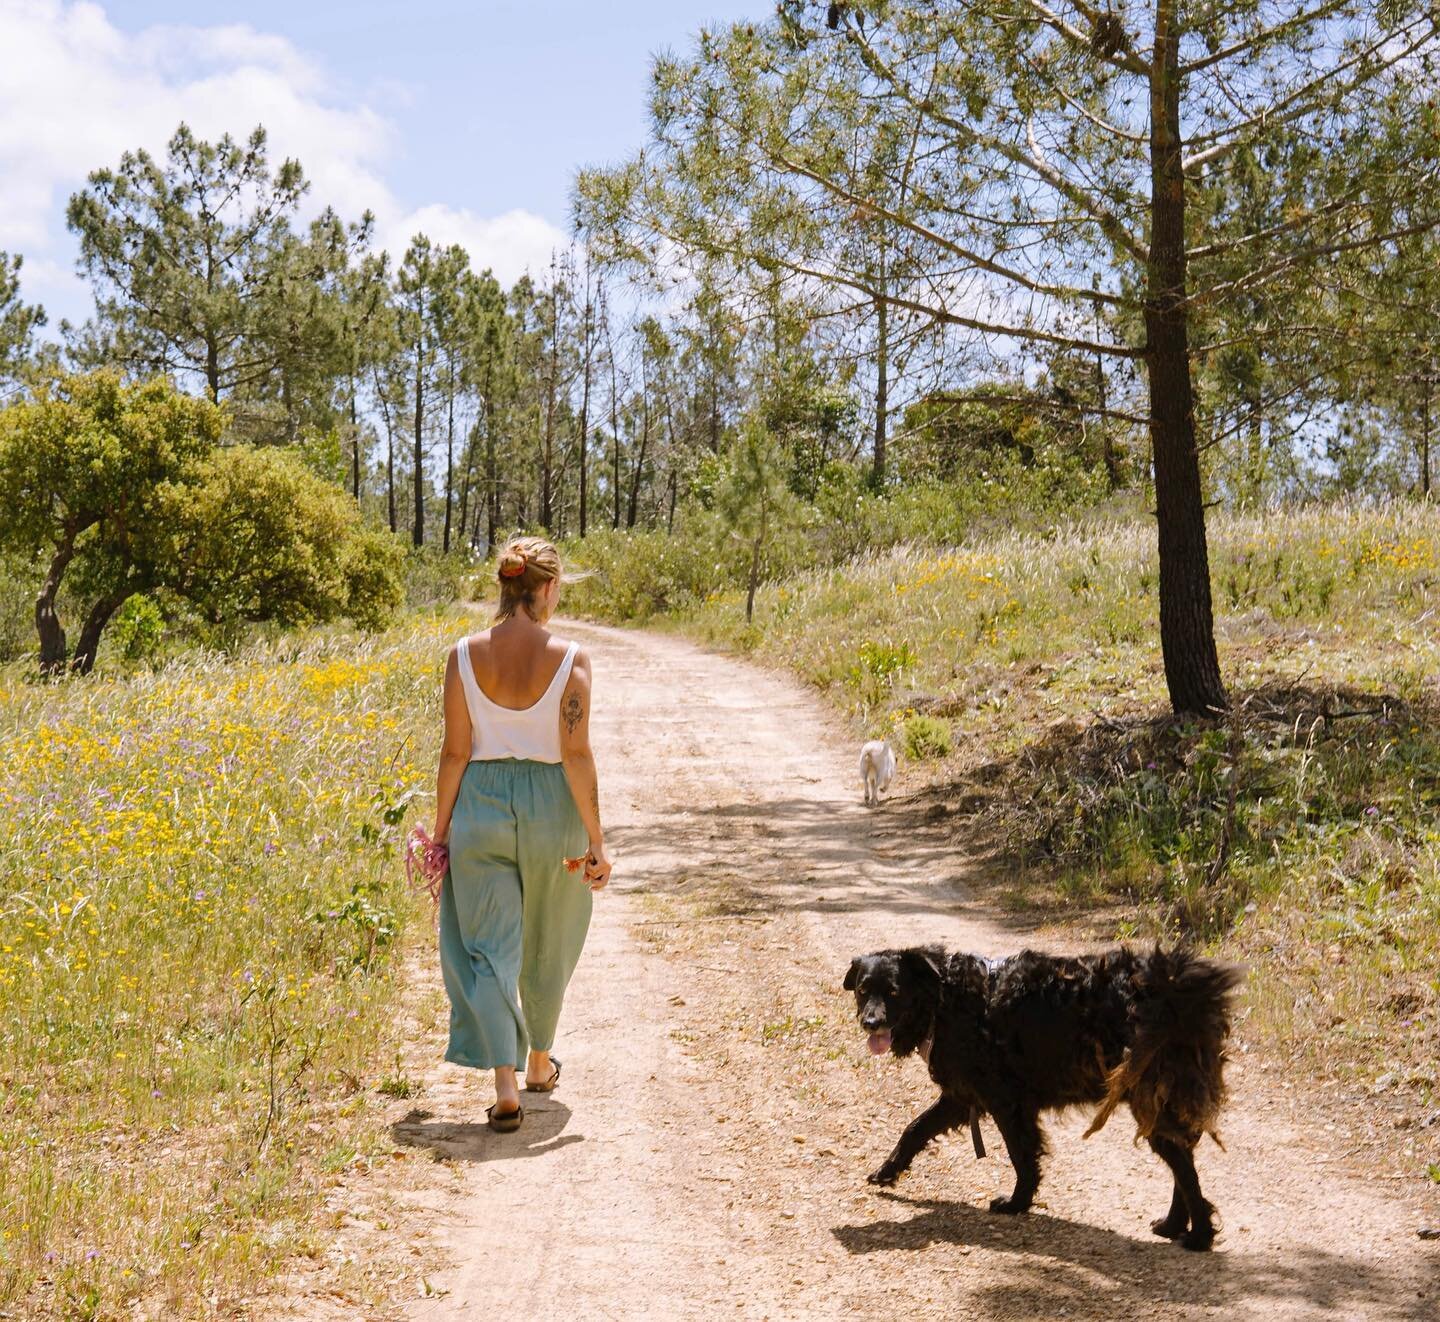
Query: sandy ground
[{"x": 706, "y": 1153}]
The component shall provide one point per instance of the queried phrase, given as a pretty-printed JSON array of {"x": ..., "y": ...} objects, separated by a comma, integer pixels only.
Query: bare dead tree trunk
[{"x": 1187, "y": 633}]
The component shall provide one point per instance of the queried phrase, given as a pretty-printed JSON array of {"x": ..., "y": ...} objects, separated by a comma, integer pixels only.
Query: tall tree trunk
[
  {"x": 88, "y": 644},
  {"x": 633, "y": 507},
  {"x": 355, "y": 443},
  {"x": 468, "y": 476},
  {"x": 492, "y": 476},
  {"x": 614, "y": 429},
  {"x": 389, "y": 450},
  {"x": 417, "y": 532},
  {"x": 47, "y": 621},
  {"x": 449, "y": 451},
  {"x": 585, "y": 410},
  {"x": 1187, "y": 632},
  {"x": 882, "y": 388},
  {"x": 552, "y": 389}
]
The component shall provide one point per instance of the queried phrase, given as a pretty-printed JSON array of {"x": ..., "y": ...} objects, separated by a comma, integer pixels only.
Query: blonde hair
[{"x": 523, "y": 568}]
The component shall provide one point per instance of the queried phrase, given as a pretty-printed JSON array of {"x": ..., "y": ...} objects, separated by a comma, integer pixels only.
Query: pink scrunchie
[{"x": 428, "y": 858}]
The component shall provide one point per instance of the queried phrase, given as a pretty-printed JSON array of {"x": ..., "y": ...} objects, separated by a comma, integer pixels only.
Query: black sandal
[
  {"x": 550, "y": 1084},
  {"x": 504, "y": 1124}
]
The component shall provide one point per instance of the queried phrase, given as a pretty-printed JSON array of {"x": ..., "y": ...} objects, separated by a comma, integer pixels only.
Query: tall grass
[{"x": 200, "y": 911}]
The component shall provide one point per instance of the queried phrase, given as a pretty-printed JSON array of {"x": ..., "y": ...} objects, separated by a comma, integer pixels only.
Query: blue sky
[{"x": 465, "y": 120}]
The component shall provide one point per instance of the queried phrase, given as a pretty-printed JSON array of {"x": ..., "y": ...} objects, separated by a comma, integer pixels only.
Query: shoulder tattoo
[{"x": 572, "y": 712}]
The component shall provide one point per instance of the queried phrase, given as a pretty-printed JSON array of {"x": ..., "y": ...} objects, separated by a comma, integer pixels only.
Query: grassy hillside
[
  {"x": 1300, "y": 834},
  {"x": 201, "y": 907}
]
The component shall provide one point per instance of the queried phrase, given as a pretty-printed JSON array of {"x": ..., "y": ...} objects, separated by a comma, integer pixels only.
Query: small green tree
[
  {"x": 752, "y": 497},
  {"x": 81, "y": 464},
  {"x": 122, "y": 487}
]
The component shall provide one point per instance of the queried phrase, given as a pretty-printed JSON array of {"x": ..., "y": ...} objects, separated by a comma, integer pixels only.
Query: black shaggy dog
[{"x": 1031, "y": 1033}]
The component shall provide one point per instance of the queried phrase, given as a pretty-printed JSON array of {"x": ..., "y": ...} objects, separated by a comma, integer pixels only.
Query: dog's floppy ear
[
  {"x": 922, "y": 963},
  {"x": 852, "y": 974}
]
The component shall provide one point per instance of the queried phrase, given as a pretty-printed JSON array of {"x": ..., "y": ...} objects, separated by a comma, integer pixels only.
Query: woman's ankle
[{"x": 507, "y": 1090}]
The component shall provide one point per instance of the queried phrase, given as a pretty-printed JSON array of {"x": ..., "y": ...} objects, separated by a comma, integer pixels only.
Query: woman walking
[{"x": 517, "y": 794}]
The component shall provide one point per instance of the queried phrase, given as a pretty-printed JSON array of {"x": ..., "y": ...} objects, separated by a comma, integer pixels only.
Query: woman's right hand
[{"x": 597, "y": 868}]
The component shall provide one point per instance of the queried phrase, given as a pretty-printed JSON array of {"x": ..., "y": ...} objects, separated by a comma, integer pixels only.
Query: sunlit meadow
[{"x": 201, "y": 908}]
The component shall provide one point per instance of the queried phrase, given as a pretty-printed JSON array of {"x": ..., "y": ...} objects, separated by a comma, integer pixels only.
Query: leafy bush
[
  {"x": 254, "y": 535},
  {"x": 138, "y": 627},
  {"x": 925, "y": 737}
]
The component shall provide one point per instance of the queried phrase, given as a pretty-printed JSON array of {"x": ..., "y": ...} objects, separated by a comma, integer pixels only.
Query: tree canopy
[
  {"x": 122, "y": 487},
  {"x": 1052, "y": 175}
]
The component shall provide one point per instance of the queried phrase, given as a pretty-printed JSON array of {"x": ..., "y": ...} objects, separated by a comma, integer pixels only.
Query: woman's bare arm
[
  {"x": 579, "y": 764},
  {"x": 454, "y": 751}
]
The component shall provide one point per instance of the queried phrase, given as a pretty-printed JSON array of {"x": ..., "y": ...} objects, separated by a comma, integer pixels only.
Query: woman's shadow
[{"x": 471, "y": 1140}]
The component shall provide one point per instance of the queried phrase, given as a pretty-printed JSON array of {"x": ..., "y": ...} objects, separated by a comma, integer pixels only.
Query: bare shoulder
[{"x": 580, "y": 669}]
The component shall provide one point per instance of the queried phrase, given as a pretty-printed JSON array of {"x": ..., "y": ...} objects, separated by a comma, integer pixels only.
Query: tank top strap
[
  {"x": 562, "y": 676},
  {"x": 468, "y": 681}
]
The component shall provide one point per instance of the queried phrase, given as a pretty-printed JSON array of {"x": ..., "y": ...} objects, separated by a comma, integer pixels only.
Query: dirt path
[{"x": 706, "y": 1153}]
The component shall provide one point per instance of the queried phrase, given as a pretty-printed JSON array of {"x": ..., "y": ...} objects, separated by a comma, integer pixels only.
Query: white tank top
[{"x": 531, "y": 733}]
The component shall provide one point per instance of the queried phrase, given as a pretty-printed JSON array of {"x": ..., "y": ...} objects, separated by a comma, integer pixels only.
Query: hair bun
[{"x": 512, "y": 564}]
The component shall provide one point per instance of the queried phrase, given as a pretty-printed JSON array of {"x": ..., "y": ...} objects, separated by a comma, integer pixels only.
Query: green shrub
[
  {"x": 924, "y": 737},
  {"x": 137, "y": 628}
]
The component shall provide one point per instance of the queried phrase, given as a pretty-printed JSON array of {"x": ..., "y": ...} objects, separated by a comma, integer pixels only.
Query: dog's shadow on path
[
  {"x": 1057, "y": 1266},
  {"x": 469, "y": 1140}
]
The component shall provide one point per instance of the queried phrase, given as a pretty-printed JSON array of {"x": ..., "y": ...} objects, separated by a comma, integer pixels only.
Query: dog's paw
[
  {"x": 1199, "y": 1239},
  {"x": 1008, "y": 1206},
  {"x": 885, "y": 1176},
  {"x": 1168, "y": 1229}
]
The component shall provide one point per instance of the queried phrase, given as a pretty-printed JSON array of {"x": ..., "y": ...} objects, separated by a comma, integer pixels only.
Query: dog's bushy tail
[{"x": 1172, "y": 1074}]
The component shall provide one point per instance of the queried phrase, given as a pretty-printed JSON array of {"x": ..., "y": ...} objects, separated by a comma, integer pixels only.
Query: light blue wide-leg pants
[{"x": 512, "y": 920}]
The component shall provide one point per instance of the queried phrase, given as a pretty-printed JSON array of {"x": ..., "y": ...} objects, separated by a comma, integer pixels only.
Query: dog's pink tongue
[{"x": 879, "y": 1043}]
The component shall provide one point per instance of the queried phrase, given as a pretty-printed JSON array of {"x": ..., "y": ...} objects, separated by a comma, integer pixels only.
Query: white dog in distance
[{"x": 877, "y": 769}]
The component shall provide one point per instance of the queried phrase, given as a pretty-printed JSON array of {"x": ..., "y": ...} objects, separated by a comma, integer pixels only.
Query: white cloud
[
  {"x": 509, "y": 244},
  {"x": 76, "y": 92}
]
